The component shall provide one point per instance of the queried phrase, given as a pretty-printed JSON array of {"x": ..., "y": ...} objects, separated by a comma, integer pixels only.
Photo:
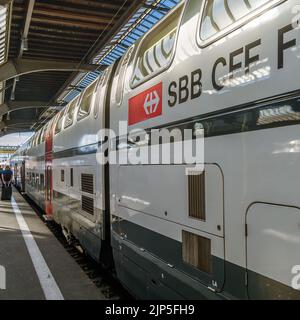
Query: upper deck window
[
  {"x": 220, "y": 16},
  {"x": 85, "y": 102},
  {"x": 100, "y": 90},
  {"x": 120, "y": 73},
  {"x": 33, "y": 144},
  {"x": 39, "y": 137},
  {"x": 44, "y": 132},
  {"x": 156, "y": 50},
  {"x": 59, "y": 123},
  {"x": 30, "y": 142},
  {"x": 70, "y": 113}
]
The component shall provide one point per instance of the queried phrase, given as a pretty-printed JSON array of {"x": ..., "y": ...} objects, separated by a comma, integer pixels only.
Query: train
[{"x": 229, "y": 69}]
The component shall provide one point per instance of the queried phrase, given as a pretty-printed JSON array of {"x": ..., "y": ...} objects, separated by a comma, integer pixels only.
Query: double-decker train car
[{"x": 232, "y": 231}]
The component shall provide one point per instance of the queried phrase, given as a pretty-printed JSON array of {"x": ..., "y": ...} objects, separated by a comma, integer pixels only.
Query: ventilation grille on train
[
  {"x": 87, "y": 204},
  {"x": 196, "y": 192},
  {"x": 196, "y": 251},
  {"x": 87, "y": 183}
]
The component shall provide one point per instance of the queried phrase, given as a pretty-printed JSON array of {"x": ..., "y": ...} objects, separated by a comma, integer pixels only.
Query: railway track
[{"x": 103, "y": 279}]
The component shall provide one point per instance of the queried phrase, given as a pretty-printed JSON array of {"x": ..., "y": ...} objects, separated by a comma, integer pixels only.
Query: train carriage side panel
[
  {"x": 34, "y": 169},
  {"x": 79, "y": 188},
  {"x": 209, "y": 85}
]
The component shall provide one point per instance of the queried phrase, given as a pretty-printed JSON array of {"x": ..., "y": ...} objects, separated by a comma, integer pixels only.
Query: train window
[
  {"x": 62, "y": 175},
  {"x": 59, "y": 123},
  {"x": 220, "y": 17},
  {"x": 71, "y": 177},
  {"x": 51, "y": 125},
  {"x": 156, "y": 50},
  {"x": 196, "y": 251},
  {"x": 120, "y": 73},
  {"x": 39, "y": 139},
  {"x": 42, "y": 180},
  {"x": 34, "y": 140},
  {"x": 100, "y": 91},
  {"x": 70, "y": 113},
  {"x": 44, "y": 133},
  {"x": 86, "y": 102},
  {"x": 48, "y": 182}
]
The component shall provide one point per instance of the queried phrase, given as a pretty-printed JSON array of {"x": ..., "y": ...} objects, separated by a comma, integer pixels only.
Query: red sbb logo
[{"x": 146, "y": 105}]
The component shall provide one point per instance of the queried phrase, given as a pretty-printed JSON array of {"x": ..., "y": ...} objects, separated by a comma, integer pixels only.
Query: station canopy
[{"x": 50, "y": 50}]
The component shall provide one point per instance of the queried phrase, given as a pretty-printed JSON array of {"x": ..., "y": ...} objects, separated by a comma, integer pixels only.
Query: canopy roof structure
[{"x": 50, "y": 50}]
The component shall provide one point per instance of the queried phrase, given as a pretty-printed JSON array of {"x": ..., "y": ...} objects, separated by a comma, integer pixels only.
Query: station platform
[{"x": 33, "y": 263}]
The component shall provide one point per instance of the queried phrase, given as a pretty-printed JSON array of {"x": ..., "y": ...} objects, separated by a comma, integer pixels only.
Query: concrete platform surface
[{"x": 33, "y": 263}]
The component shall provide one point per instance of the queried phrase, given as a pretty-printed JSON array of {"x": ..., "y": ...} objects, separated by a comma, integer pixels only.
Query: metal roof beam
[
  {"x": 17, "y": 67},
  {"x": 5, "y": 88},
  {"x": 4, "y": 2},
  {"x": 24, "y": 40},
  {"x": 115, "y": 28},
  {"x": 158, "y": 8},
  {"x": 12, "y": 106},
  {"x": 16, "y": 123}
]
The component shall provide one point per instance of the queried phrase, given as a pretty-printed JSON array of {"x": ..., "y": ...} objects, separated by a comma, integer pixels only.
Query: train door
[
  {"x": 186, "y": 211},
  {"x": 23, "y": 176},
  {"x": 48, "y": 196},
  {"x": 102, "y": 112},
  {"x": 48, "y": 170},
  {"x": 16, "y": 174},
  {"x": 272, "y": 251}
]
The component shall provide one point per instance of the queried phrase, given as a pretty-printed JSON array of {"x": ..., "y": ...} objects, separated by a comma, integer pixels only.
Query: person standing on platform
[
  {"x": 1, "y": 170},
  {"x": 6, "y": 178}
]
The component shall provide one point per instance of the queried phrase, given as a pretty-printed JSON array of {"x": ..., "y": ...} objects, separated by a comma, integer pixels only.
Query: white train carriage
[
  {"x": 18, "y": 161},
  {"x": 232, "y": 231}
]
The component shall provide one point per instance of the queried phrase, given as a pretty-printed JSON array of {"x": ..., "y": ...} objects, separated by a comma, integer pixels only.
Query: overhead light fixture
[
  {"x": 3, "y": 27},
  {"x": 5, "y": 12},
  {"x": 24, "y": 44}
]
